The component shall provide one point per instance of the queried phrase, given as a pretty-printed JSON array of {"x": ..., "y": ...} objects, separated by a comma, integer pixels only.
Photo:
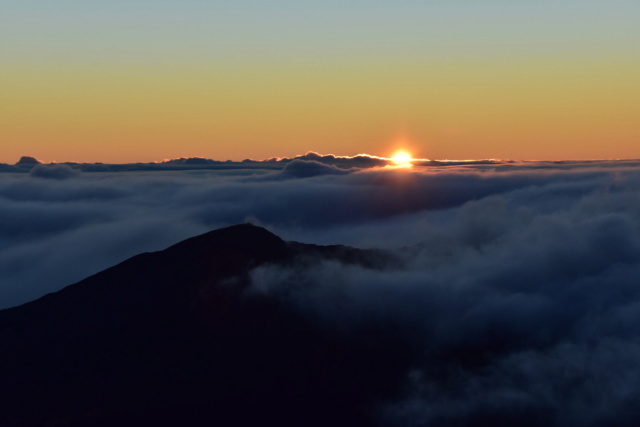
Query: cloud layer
[
  {"x": 60, "y": 224},
  {"x": 518, "y": 285},
  {"x": 524, "y": 305}
]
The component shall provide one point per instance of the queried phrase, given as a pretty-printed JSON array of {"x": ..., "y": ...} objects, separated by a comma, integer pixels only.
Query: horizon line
[{"x": 308, "y": 156}]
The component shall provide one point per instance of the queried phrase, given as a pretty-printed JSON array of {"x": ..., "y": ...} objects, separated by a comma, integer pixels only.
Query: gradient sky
[{"x": 142, "y": 80}]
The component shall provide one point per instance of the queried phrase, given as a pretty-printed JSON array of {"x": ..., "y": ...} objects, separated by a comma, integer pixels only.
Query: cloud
[
  {"x": 53, "y": 171},
  {"x": 373, "y": 207},
  {"x": 517, "y": 287},
  {"x": 309, "y": 168},
  {"x": 519, "y": 315}
]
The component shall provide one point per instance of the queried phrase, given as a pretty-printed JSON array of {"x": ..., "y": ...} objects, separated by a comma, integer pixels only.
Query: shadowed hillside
[{"x": 173, "y": 338}]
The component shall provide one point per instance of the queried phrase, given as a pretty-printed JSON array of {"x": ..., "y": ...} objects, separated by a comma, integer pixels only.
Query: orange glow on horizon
[
  {"x": 534, "y": 108},
  {"x": 402, "y": 158}
]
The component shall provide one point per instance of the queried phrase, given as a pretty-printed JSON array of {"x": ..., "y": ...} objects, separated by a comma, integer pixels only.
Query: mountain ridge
[{"x": 171, "y": 336}]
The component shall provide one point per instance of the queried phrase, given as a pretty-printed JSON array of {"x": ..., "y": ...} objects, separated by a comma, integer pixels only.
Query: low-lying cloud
[
  {"x": 308, "y": 168},
  {"x": 57, "y": 231},
  {"x": 53, "y": 171},
  {"x": 518, "y": 318},
  {"x": 517, "y": 286}
]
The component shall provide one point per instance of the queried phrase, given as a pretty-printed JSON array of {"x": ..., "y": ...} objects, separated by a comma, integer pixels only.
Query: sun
[{"x": 401, "y": 158}]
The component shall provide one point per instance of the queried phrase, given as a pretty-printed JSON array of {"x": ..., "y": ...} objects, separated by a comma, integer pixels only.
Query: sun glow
[{"x": 401, "y": 158}]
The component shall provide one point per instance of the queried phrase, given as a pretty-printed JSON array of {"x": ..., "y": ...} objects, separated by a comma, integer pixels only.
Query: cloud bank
[
  {"x": 517, "y": 286},
  {"x": 60, "y": 224},
  {"x": 518, "y": 316},
  {"x": 536, "y": 326}
]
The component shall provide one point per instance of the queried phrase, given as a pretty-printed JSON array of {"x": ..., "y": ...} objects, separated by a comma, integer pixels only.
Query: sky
[{"x": 116, "y": 82}]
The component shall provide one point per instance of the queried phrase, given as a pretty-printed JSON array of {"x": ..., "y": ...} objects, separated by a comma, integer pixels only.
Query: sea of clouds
[{"x": 519, "y": 282}]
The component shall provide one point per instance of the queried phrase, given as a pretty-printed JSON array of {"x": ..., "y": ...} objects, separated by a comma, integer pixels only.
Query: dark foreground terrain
[{"x": 174, "y": 338}]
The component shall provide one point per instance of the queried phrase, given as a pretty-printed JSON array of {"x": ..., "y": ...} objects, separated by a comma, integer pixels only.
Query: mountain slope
[{"x": 172, "y": 337}]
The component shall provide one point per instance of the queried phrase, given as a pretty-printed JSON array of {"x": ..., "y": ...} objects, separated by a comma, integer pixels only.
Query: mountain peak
[
  {"x": 172, "y": 338},
  {"x": 238, "y": 231},
  {"x": 248, "y": 239},
  {"x": 28, "y": 160}
]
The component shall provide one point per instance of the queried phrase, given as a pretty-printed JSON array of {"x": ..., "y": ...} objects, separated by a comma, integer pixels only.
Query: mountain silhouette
[{"x": 174, "y": 338}]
